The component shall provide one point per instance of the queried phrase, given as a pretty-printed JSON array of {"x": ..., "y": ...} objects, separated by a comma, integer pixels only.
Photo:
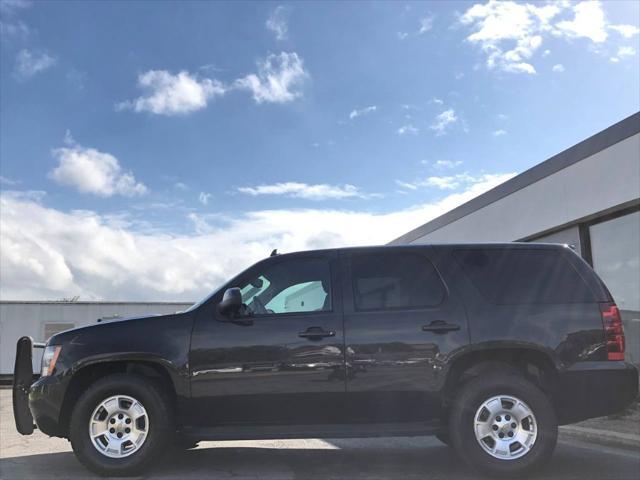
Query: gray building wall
[
  {"x": 602, "y": 181},
  {"x": 18, "y": 319}
]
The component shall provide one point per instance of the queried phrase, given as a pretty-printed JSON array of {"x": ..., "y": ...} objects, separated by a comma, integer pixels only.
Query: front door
[
  {"x": 283, "y": 361},
  {"x": 402, "y": 325}
]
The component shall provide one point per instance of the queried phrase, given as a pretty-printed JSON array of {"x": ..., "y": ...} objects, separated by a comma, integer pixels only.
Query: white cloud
[
  {"x": 68, "y": 138},
  {"x": 447, "y": 163},
  {"x": 558, "y": 68},
  {"x": 407, "y": 185},
  {"x": 169, "y": 94},
  {"x": 10, "y": 7},
  {"x": 499, "y": 133},
  {"x": 41, "y": 260},
  {"x": 627, "y": 31},
  {"x": 303, "y": 190},
  {"x": 518, "y": 25},
  {"x": 452, "y": 182},
  {"x": 402, "y": 35},
  {"x": 8, "y": 181},
  {"x": 278, "y": 80},
  {"x": 278, "y": 22},
  {"x": 502, "y": 116},
  {"x": 443, "y": 120},
  {"x": 10, "y": 25},
  {"x": 510, "y": 33},
  {"x": 622, "y": 53},
  {"x": 14, "y": 29},
  {"x": 407, "y": 130},
  {"x": 437, "y": 101},
  {"x": 91, "y": 171},
  {"x": 588, "y": 22},
  {"x": 29, "y": 63},
  {"x": 426, "y": 24},
  {"x": 363, "y": 111},
  {"x": 204, "y": 197},
  {"x": 443, "y": 183},
  {"x": 626, "y": 51}
]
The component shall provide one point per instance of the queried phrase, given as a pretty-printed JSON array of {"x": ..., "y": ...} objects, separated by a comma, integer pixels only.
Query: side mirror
[{"x": 231, "y": 302}]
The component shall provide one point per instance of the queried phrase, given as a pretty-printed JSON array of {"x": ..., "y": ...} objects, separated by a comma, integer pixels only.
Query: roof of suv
[{"x": 443, "y": 246}]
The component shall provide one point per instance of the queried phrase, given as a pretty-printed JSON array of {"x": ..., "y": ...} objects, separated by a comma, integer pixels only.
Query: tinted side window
[
  {"x": 523, "y": 276},
  {"x": 394, "y": 280},
  {"x": 289, "y": 286}
]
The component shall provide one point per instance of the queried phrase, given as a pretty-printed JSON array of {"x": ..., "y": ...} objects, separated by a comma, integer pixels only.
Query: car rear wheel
[
  {"x": 503, "y": 425},
  {"x": 120, "y": 425}
]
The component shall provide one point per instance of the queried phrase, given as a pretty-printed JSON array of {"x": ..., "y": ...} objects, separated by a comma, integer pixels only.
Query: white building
[
  {"x": 40, "y": 320},
  {"x": 587, "y": 196}
]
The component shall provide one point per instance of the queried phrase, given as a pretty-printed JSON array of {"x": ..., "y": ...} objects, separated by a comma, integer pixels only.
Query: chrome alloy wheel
[
  {"x": 505, "y": 427},
  {"x": 119, "y": 426}
]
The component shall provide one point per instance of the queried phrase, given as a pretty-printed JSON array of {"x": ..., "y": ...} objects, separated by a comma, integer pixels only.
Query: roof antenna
[{"x": 274, "y": 253}]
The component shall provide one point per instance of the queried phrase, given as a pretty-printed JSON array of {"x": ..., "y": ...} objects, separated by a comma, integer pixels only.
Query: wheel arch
[
  {"x": 92, "y": 371},
  {"x": 533, "y": 363}
]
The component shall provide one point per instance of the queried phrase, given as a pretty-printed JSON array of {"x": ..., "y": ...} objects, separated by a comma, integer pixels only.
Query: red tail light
[{"x": 613, "y": 331}]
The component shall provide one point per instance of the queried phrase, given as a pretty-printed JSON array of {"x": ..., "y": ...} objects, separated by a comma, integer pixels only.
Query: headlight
[{"x": 49, "y": 359}]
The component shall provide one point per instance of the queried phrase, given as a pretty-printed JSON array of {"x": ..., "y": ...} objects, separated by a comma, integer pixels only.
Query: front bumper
[
  {"x": 46, "y": 396},
  {"x": 594, "y": 389}
]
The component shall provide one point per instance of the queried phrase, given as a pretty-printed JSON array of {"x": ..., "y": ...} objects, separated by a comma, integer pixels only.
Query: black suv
[{"x": 488, "y": 347}]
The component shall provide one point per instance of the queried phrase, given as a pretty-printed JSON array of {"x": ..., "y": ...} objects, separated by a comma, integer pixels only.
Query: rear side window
[
  {"x": 510, "y": 277},
  {"x": 395, "y": 281}
]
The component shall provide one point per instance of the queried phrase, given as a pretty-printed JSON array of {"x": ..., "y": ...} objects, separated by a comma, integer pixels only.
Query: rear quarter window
[{"x": 510, "y": 276}]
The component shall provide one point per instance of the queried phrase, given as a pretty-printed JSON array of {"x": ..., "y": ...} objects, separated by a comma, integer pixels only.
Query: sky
[{"x": 151, "y": 150}]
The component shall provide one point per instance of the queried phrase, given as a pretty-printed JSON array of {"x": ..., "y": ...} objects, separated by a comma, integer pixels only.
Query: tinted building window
[
  {"x": 395, "y": 280},
  {"x": 570, "y": 236},
  {"x": 615, "y": 247},
  {"x": 50, "y": 329},
  {"x": 523, "y": 276}
]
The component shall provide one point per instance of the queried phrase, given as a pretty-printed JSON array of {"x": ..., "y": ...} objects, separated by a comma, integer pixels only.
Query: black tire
[
  {"x": 161, "y": 428},
  {"x": 444, "y": 438},
  {"x": 461, "y": 424}
]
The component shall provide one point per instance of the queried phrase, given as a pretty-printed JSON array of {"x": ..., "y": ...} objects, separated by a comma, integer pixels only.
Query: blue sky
[{"x": 151, "y": 149}]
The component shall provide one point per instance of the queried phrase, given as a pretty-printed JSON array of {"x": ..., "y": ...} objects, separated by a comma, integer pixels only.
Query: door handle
[
  {"x": 316, "y": 333},
  {"x": 439, "y": 326}
]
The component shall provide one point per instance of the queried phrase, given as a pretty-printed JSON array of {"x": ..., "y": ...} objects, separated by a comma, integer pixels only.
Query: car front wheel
[
  {"x": 503, "y": 425},
  {"x": 120, "y": 425}
]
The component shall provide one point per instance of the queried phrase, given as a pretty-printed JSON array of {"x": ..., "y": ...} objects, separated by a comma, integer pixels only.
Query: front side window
[
  {"x": 289, "y": 286},
  {"x": 395, "y": 281}
]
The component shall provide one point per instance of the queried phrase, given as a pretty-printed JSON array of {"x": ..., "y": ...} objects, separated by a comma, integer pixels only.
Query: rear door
[{"x": 402, "y": 325}]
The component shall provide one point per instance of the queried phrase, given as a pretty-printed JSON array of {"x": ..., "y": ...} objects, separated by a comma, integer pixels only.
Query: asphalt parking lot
[{"x": 39, "y": 457}]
